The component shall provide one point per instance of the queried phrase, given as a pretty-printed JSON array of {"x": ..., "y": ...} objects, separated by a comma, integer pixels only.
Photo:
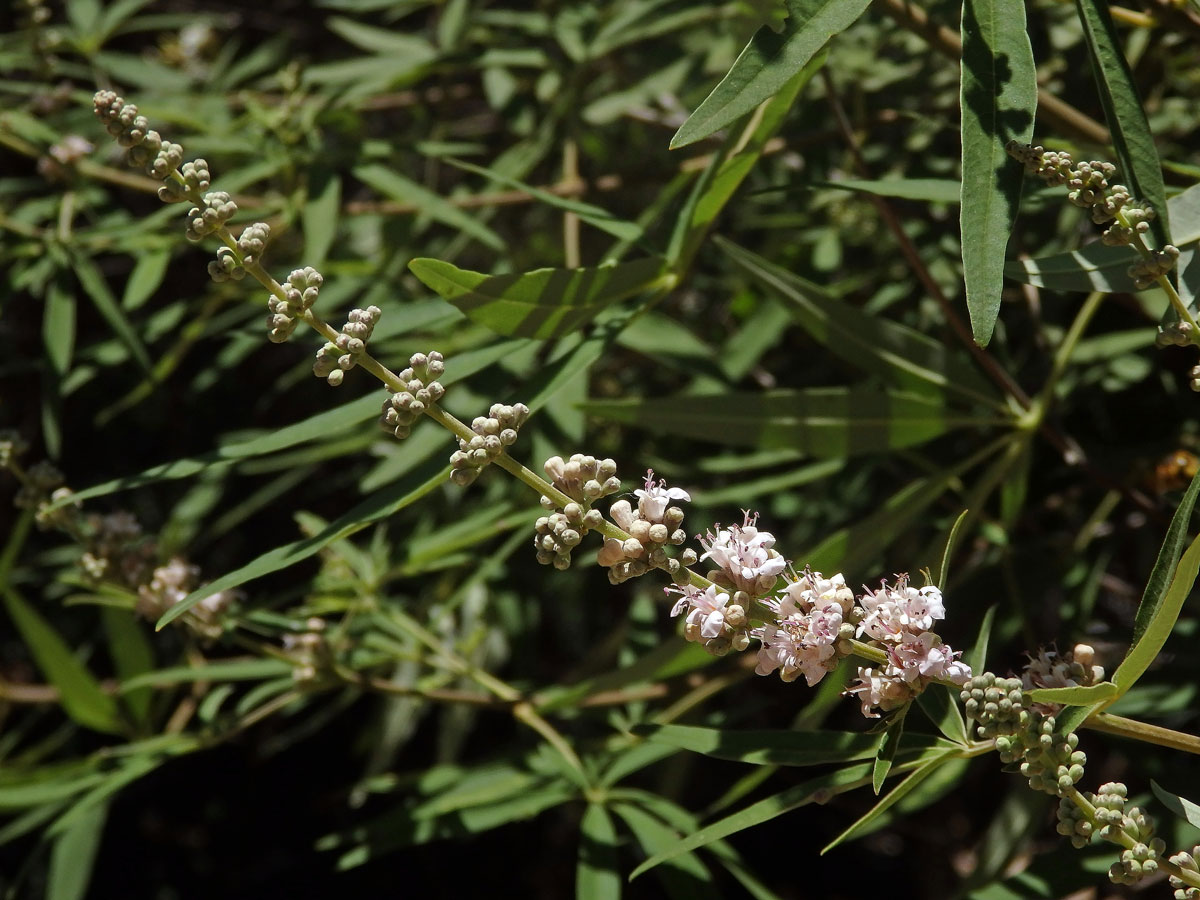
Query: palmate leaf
[
  {"x": 768, "y": 62},
  {"x": 541, "y": 304},
  {"x": 821, "y": 422},
  {"x": 998, "y": 99}
]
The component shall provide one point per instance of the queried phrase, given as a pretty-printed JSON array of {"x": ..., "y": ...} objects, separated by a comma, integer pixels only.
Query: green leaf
[
  {"x": 403, "y": 190},
  {"x": 222, "y": 670},
  {"x": 729, "y": 168},
  {"x": 1164, "y": 564},
  {"x": 1180, "y": 806},
  {"x": 944, "y": 572},
  {"x": 79, "y": 693},
  {"x": 901, "y": 790},
  {"x": 929, "y": 190},
  {"x": 97, "y": 289},
  {"x": 74, "y": 855},
  {"x": 543, "y": 303},
  {"x": 901, "y": 355},
  {"x": 998, "y": 100},
  {"x": 1075, "y": 696},
  {"x": 940, "y": 704},
  {"x": 685, "y": 876},
  {"x": 1137, "y": 156},
  {"x": 132, "y": 655},
  {"x": 1096, "y": 267},
  {"x": 1160, "y": 624},
  {"x": 148, "y": 273},
  {"x": 596, "y": 875},
  {"x": 781, "y": 747},
  {"x": 977, "y": 656},
  {"x": 58, "y": 327},
  {"x": 320, "y": 214},
  {"x": 379, "y": 505},
  {"x": 593, "y": 215},
  {"x": 768, "y": 62},
  {"x": 822, "y": 422},
  {"x": 885, "y": 750},
  {"x": 384, "y": 41}
]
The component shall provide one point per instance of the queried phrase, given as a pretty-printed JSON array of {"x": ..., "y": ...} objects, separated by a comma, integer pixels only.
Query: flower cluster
[
  {"x": 309, "y": 651},
  {"x": 493, "y": 432},
  {"x": 809, "y": 631},
  {"x": 336, "y": 359},
  {"x": 145, "y": 148},
  {"x": 1050, "y": 669},
  {"x": 421, "y": 390},
  {"x": 299, "y": 294},
  {"x": 653, "y": 525},
  {"x": 744, "y": 557},
  {"x": 900, "y": 618},
  {"x": 584, "y": 479},
  {"x": 711, "y": 619},
  {"x": 170, "y": 584}
]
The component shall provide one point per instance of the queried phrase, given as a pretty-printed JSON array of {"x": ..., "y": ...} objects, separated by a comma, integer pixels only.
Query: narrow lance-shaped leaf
[
  {"x": 1180, "y": 806},
  {"x": 79, "y": 692},
  {"x": 885, "y": 753},
  {"x": 541, "y": 304},
  {"x": 998, "y": 98},
  {"x": 1159, "y": 627},
  {"x": 822, "y": 422},
  {"x": 767, "y": 62},
  {"x": 1075, "y": 696},
  {"x": 1164, "y": 565},
  {"x": 1137, "y": 156},
  {"x": 597, "y": 876}
]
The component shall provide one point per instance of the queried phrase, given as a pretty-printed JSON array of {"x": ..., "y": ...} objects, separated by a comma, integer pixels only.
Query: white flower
[
  {"x": 656, "y": 496},
  {"x": 744, "y": 553},
  {"x": 884, "y": 690},
  {"x": 924, "y": 658},
  {"x": 813, "y": 589},
  {"x": 896, "y": 612},
  {"x": 708, "y": 610},
  {"x": 799, "y": 642}
]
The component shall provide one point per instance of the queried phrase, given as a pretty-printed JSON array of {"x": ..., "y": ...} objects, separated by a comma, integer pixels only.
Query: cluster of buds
[
  {"x": 584, "y": 479},
  {"x": 421, "y": 390},
  {"x": 250, "y": 246},
  {"x": 336, "y": 359},
  {"x": 653, "y": 525},
  {"x": 1186, "y": 861},
  {"x": 145, "y": 148},
  {"x": 810, "y": 628},
  {"x": 899, "y": 618},
  {"x": 309, "y": 651},
  {"x": 170, "y": 584},
  {"x": 1176, "y": 334},
  {"x": 1024, "y": 736},
  {"x": 493, "y": 432},
  {"x": 1050, "y": 669},
  {"x": 1154, "y": 265},
  {"x": 1118, "y": 821},
  {"x": 196, "y": 180},
  {"x": 216, "y": 208},
  {"x": 299, "y": 293}
]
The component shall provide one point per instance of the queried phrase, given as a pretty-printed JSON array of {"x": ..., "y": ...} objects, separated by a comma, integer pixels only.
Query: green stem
[{"x": 1143, "y": 731}]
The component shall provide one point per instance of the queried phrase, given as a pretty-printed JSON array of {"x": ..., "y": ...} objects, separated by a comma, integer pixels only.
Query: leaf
[
  {"x": 822, "y": 422},
  {"x": 1145, "y": 649},
  {"x": 1164, "y": 564},
  {"x": 322, "y": 425},
  {"x": 684, "y": 876},
  {"x": 1075, "y": 696},
  {"x": 901, "y": 355},
  {"x": 319, "y": 215},
  {"x": 379, "y": 505},
  {"x": 74, "y": 855},
  {"x": 1180, "y": 806},
  {"x": 148, "y": 273},
  {"x": 780, "y": 747},
  {"x": 58, "y": 327},
  {"x": 944, "y": 572},
  {"x": 1096, "y": 267},
  {"x": 403, "y": 190},
  {"x": 540, "y": 304},
  {"x": 132, "y": 655},
  {"x": 593, "y": 215},
  {"x": 384, "y": 41},
  {"x": 998, "y": 99},
  {"x": 768, "y": 62},
  {"x": 79, "y": 693},
  {"x": 1137, "y": 156},
  {"x": 977, "y": 656},
  {"x": 898, "y": 793},
  {"x": 885, "y": 751},
  {"x": 596, "y": 875},
  {"x": 729, "y": 169},
  {"x": 97, "y": 289},
  {"x": 929, "y": 190},
  {"x": 940, "y": 704},
  {"x": 222, "y": 670}
]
